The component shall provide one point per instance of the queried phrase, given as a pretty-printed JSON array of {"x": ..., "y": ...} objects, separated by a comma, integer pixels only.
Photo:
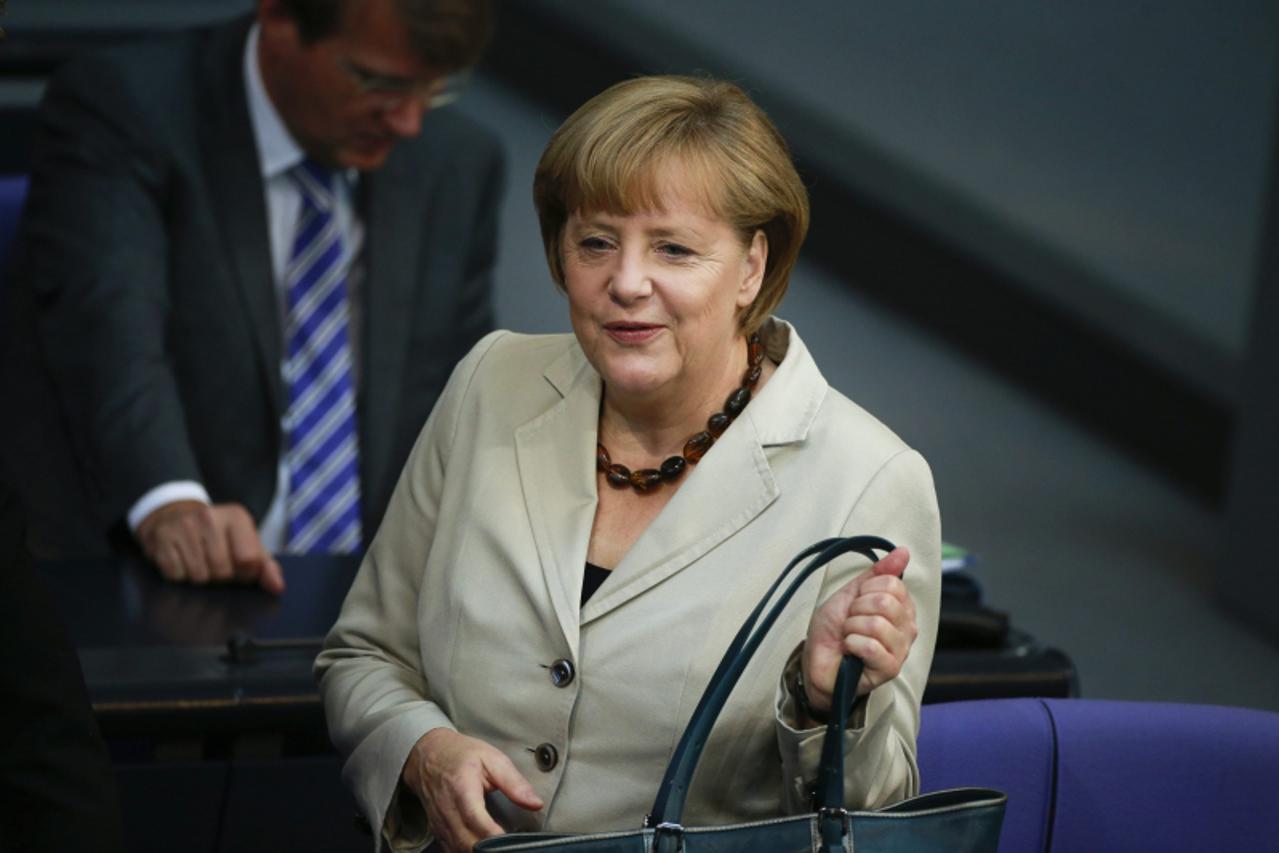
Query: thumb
[
  {"x": 894, "y": 562},
  {"x": 512, "y": 783}
]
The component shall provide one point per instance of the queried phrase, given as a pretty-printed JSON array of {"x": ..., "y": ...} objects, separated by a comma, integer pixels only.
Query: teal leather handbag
[{"x": 960, "y": 820}]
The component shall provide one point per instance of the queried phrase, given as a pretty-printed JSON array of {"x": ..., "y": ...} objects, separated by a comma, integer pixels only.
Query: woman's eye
[
  {"x": 594, "y": 244},
  {"x": 674, "y": 250}
]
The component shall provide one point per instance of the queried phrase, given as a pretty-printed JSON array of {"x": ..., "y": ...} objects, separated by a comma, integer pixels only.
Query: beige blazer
[{"x": 469, "y": 595}]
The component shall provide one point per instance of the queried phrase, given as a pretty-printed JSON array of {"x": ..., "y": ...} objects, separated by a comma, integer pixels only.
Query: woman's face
[{"x": 654, "y": 296}]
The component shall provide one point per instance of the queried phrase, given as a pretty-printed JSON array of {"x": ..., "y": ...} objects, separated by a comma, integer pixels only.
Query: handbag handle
[{"x": 668, "y": 808}]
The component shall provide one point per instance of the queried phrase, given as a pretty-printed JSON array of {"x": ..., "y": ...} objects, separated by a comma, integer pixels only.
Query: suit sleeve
[
  {"x": 475, "y": 312},
  {"x": 95, "y": 258},
  {"x": 376, "y": 699},
  {"x": 900, "y": 504}
]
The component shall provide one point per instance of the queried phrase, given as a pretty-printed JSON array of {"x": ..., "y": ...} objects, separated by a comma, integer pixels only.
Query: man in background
[{"x": 250, "y": 257}]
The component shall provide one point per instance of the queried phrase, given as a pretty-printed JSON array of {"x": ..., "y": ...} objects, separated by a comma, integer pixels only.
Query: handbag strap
[{"x": 668, "y": 808}]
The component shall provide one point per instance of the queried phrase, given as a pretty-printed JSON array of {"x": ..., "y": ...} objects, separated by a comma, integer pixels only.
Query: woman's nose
[{"x": 629, "y": 280}]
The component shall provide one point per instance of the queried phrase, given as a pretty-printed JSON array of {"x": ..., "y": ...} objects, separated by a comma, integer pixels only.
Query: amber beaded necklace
[{"x": 695, "y": 448}]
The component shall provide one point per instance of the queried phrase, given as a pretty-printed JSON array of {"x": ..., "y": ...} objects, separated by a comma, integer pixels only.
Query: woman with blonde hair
[{"x": 587, "y": 518}]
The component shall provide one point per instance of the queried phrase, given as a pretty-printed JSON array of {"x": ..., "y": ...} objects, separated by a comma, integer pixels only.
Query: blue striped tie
[{"x": 323, "y": 504}]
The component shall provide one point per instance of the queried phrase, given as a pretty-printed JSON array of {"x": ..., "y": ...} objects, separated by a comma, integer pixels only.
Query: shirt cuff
[{"x": 165, "y": 493}]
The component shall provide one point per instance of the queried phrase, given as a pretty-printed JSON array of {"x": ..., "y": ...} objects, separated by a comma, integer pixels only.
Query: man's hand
[{"x": 197, "y": 543}]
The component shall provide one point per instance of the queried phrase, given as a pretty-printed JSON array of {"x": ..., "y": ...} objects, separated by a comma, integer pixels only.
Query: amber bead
[
  {"x": 618, "y": 475},
  {"x": 718, "y": 423},
  {"x": 737, "y": 401},
  {"x": 645, "y": 479},
  {"x": 673, "y": 467},
  {"x": 697, "y": 446},
  {"x": 752, "y": 376},
  {"x": 602, "y": 459},
  {"x": 755, "y": 351}
]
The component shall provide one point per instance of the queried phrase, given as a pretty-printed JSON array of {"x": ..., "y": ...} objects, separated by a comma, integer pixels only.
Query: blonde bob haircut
[{"x": 617, "y": 152}]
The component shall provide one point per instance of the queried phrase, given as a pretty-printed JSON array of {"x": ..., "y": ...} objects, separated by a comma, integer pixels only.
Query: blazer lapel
[
  {"x": 726, "y": 491},
  {"x": 235, "y": 183},
  {"x": 721, "y": 495},
  {"x": 556, "y": 459},
  {"x": 732, "y": 484}
]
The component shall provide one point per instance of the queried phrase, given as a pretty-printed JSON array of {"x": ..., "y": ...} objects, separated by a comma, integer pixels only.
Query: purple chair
[
  {"x": 1096, "y": 776},
  {"x": 1006, "y": 744},
  {"x": 13, "y": 192}
]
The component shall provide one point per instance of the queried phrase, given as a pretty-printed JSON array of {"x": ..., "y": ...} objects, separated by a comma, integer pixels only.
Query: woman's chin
[{"x": 634, "y": 383}]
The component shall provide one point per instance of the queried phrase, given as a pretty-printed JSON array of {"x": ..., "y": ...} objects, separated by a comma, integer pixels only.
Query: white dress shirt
[{"x": 278, "y": 152}]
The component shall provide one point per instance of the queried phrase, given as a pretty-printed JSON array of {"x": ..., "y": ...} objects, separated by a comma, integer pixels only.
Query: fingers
[
  {"x": 881, "y": 645},
  {"x": 193, "y": 542},
  {"x": 887, "y": 596},
  {"x": 249, "y": 557},
  {"x": 171, "y": 536},
  {"x": 187, "y": 535},
  {"x": 462, "y": 814},
  {"x": 168, "y": 560},
  {"x": 451, "y": 773},
  {"x": 217, "y": 555},
  {"x": 880, "y": 629},
  {"x": 893, "y": 563},
  {"x": 272, "y": 577},
  {"x": 871, "y": 617},
  {"x": 512, "y": 783}
]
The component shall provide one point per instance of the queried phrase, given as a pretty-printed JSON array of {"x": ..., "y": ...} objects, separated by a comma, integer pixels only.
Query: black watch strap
[{"x": 801, "y": 699}]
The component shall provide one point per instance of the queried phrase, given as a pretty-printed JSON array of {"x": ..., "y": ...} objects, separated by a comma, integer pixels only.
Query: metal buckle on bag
[
  {"x": 664, "y": 826},
  {"x": 672, "y": 829},
  {"x": 843, "y": 815}
]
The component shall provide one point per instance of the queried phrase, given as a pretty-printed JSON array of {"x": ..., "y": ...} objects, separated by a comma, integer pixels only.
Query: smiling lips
[{"x": 632, "y": 333}]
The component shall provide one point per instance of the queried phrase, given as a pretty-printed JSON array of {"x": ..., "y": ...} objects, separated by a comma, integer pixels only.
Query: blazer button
[
  {"x": 547, "y": 757},
  {"x": 562, "y": 673}
]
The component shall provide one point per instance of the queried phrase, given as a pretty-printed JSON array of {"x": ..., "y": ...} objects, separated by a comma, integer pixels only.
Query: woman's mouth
[{"x": 632, "y": 333}]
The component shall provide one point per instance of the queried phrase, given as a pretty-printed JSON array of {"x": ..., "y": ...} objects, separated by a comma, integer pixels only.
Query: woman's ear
[{"x": 753, "y": 266}]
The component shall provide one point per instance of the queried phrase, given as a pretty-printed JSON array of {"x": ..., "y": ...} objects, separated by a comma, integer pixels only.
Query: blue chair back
[
  {"x": 1106, "y": 777},
  {"x": 1152, "y": 776},
  {"x": 1005, "y": 744},
  {"x": 13, "y": 192}
]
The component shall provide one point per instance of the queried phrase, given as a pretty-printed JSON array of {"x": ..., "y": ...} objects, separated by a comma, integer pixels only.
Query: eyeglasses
[{"x": 394, "y": 91}]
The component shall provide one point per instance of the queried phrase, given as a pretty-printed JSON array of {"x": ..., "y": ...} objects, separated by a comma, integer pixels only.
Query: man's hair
[
  {"x": 618, "y": 152},
  {"x": 448, "y": 34}
]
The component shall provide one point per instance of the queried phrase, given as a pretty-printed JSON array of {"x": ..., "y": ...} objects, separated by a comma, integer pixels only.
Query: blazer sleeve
[
  {"x": 376, "y": 698},
  {"x": 900, "y": 504},
  {"x": 94, "y": 254}
]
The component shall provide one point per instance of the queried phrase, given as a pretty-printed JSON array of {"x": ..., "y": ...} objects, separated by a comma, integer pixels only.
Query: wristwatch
[{"x": 801, "y": 699}]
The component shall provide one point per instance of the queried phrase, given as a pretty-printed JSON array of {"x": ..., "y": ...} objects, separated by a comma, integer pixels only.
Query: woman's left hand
[{"x": 872, "y": 616}]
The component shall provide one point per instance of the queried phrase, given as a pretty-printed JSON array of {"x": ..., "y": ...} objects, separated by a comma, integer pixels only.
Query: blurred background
[{"x": 1040, "y": 252}]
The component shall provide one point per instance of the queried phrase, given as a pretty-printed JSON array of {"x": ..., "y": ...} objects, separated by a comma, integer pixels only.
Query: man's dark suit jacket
[{"x": 145, "y": 338}]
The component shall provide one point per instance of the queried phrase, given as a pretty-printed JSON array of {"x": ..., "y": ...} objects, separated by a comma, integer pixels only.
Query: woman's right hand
[{"x": 451, "y": 773}]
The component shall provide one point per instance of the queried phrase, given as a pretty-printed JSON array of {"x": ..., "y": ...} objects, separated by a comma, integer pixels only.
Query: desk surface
[
  {"x": 116, "y": 601},
  {"x": 155, "y": 656},
  {"x": 155, "y": 653}
]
